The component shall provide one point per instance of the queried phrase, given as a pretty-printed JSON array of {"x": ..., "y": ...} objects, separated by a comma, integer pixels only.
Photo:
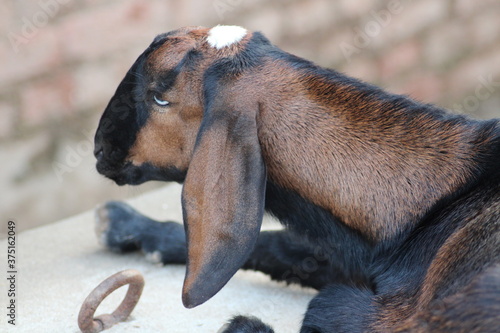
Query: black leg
[
  {"x": 340, "y": 308},
  {"x": 337, "y": 308},
  {"x": 286, "y": 257},
  {"x": 241, "y": 324},
  {"x": 281, "y": 254},
  {"x": 120, "y": 228}
]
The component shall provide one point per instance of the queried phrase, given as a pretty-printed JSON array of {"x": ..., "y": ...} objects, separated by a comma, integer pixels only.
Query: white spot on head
[{"x": 225, "y": 35}]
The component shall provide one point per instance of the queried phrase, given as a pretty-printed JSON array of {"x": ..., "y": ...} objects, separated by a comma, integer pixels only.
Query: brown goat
[{"x": 396, "y": 202}]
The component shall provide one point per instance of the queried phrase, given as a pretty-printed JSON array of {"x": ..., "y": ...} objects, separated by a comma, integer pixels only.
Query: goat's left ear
[{"x": 222, "y": 199}]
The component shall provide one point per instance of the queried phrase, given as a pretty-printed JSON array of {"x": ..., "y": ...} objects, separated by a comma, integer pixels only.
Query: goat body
[{"x": 397, "y": 203}]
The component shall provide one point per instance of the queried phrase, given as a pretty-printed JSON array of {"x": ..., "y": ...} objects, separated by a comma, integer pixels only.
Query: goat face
[
  {"x": 176, "y": 109},
  {"x": 148, "y": 129}
]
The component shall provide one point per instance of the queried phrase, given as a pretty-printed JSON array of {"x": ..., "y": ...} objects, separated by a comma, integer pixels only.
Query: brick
[
  {"x": 18, "y": 177},
  {"x": 195, "y": 11},
  {"x": 489, "y": 108},
  {"x": 446, "y": 43},
  {"x": 118, "y": 26},
  {"x": 399, "y": 59},
  {"x": 24, "y": 9},
  {"x": 7, "y": 16},
  {"x": 46, "y": 100},
  {"x": 308, "y": 17},
  {"x": 332, "y": 49},
  {"x": 416, "y": 16},
  {"x": 268, "y": 22},
  {"x": 350, "y": 8},
  {"x": 246, "y": 6},
  {"x": 467, "y": 75},
  {"x": 20, "y": 154},
  {"x": 467, "y": 8},
  {"x": 484, "y": 29},
  {"x": 95, "y": 83},
  {"x": 37, "y": 55},
  {"x": 75, "y": 61},
  {"x": 9, "y": 114},
  {"x": 374, "y": 30}
]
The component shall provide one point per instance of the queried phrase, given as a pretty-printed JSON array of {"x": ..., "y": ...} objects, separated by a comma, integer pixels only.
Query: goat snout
[
  {"x": 112, "y": 163},
  {"x": 106, "y": 151},
  {"x": 98, "y": 152},
  {"x": 109, "y": 160}
]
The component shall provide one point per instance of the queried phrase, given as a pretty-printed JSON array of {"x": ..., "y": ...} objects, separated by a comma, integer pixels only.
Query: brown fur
[
  {"x": 378, "y": 165},
  {"x": 372, "y": 196},
  {"x": 431, "y": 157}
]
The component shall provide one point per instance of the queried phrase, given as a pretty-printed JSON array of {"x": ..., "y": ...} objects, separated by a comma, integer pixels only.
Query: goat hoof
[
  {"x": 241, "y": 324},
  {"x": 116, "y": 227},
  {"x": 154, "y": 257}
]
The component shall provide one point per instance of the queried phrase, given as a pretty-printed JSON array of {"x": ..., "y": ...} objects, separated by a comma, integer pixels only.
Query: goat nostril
[{"x": 99, "y": 154}]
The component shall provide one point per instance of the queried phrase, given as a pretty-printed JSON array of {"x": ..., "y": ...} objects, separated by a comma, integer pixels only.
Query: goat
[{"x": 397, "y": 202}]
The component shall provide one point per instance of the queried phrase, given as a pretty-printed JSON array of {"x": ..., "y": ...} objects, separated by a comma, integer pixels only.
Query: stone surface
[
  {"x": 65, "y": 63},
  {"x": 60, "y": 264}
]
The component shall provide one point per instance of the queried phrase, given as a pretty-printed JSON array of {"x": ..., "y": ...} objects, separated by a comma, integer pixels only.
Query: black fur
[
  {"x": 341, "y": 309},
  {"x": 240, "y": 324},
  {"x": 358, "y": 277},
  {"x": 121, "y": 121},
  {"x": 123, "y": 229},
  {"x": 347, "y": 251}
]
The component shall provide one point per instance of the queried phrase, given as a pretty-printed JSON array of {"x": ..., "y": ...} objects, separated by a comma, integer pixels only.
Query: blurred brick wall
[{"x": 61, "y": 60}]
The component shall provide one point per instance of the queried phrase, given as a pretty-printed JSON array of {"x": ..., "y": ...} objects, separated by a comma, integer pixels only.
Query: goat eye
[{"x": 160, "y": 102}]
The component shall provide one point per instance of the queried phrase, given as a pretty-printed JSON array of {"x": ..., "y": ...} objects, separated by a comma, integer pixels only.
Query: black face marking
[
  {"x": 126, "y": 113},
  {"x": 136, "y": 175},
  {"x": 119, "y": 124}
]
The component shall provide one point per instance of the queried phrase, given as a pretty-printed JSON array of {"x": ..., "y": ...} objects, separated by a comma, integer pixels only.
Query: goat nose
[{"x": 98, "y": 152}]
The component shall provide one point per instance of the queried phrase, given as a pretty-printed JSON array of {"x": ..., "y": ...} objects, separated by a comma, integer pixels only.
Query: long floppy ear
[{"x": 222, "y": 199}]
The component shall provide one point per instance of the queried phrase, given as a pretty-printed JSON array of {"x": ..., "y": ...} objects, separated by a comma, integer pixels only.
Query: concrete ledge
[{"x": 59, "y": 264}]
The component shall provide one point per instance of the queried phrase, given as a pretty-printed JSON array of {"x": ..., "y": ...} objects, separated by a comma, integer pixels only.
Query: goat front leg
[
  {"x": 122, "y": 229},
  {"x": 337, "y": 308},
  {"x": 280, "y": 254},
  {"x": 285, "y": 256}
]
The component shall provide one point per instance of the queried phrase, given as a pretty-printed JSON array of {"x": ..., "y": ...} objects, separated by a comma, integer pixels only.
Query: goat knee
[{"x": 339, "y": 308}]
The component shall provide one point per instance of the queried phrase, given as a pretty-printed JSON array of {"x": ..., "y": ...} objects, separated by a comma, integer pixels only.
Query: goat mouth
[
  {"x": 128, "y": 173},
  {"x": 121, "y": 174}
]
